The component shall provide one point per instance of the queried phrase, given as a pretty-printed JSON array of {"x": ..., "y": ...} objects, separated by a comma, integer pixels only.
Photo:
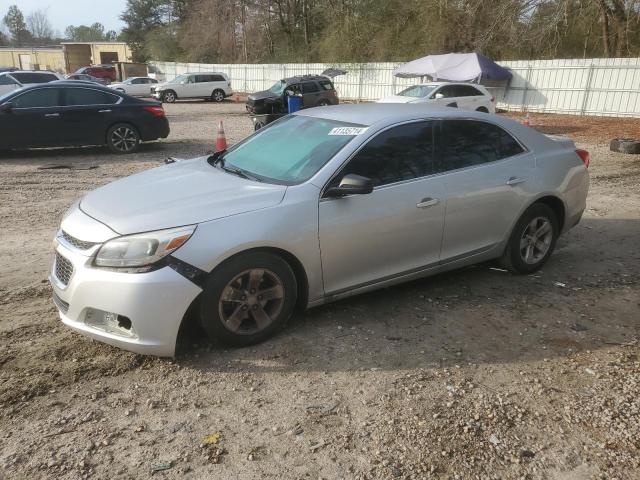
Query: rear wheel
[
  {"x": 532, "y": 240},
  {"x": 169, "y": 96},
  {"x": 248, "y": 298},
  {"x": 123, "y": 138},
  {"x": 323, "y": 103},
  {"x": 217, "y": 96},
  {"x": 482, "y": 109}
]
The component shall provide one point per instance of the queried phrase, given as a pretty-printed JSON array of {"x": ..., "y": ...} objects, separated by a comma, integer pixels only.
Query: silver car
[{"x": 320, "y": 205}]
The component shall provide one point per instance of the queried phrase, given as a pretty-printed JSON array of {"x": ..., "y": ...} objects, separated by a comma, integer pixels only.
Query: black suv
[{"x": 316, "y": 91}]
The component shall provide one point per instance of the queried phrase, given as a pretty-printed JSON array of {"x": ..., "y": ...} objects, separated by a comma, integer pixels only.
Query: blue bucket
[{"x": 294, "y": 103}]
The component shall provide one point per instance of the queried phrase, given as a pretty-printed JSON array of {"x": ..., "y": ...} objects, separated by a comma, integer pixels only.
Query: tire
[
  {"x": 123, "y": 138},
  {"x": 324, "y": 103},
  {"x": 169, "y": 96},
  {"x": 525, "y": 253},
  {"x": 217, "y": 95},
  {"x": 257, "y": 126},
  {"x": 229, "y": 299},
  {"x": 482, "y": 109},
  {"x": 625, "y": 145}
]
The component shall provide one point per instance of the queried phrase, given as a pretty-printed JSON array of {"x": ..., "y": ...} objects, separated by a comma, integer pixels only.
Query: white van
[
  {"x": 9, "y": 81},
  {"x": 208, "y": 85}
]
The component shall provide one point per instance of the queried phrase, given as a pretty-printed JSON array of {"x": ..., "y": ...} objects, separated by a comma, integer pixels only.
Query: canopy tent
[{"x": 455, "y": 67}]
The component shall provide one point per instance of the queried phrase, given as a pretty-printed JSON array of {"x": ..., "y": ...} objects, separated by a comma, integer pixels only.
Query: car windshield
[
  {"x": 179, "y": 79},
  {"x": 417, "y": 91},
  {"x": 290, "y": 150},
  {"x": 278, "y": 87}
]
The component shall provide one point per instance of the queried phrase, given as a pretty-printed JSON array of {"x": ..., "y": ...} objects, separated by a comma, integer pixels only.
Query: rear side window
[
  {"x": 87, "y": 96},
  {"x": 310, "y": 87},
  {"x": 7, "y": 80},
  {"x": 467, "y": 91},
  {"x": 467, "y": 143},
  {"x": 152, "y": 80},
  {"x": 39, "y": 98},
  {"x": 27, "y": 77},
  {"x": 400, "y": 153},
  {"x": 326, "y": 84},
  {"x": 209, "y": 78}
]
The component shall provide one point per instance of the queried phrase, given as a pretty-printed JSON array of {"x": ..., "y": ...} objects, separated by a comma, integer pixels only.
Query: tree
[
  {"x": 141, "y": 17},
  {"x": 39, "y": 26},
  {"x": 84, "y": 33},
  {"x": 14, "y": 20}
]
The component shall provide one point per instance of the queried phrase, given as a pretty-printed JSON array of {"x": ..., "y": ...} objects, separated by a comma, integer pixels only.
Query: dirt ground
[{"x": 474, "y": 374}]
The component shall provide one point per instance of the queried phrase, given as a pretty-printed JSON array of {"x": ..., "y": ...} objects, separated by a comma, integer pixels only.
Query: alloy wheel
[
  {"x": 252, "y": 301},
  {"x": 124, "y": 139},
  {"x": 218, "y": 96},
  {"x": 169, "y": 97},
  {"x": 536, "y": 240}
]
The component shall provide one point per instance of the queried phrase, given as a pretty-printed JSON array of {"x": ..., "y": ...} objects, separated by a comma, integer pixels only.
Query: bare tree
[{"x": 39, "y": 26}]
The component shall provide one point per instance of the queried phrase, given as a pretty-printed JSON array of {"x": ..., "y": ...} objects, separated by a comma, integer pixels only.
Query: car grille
[
  {"x": 61, "y": 304},
  {"x": 63, "y": 269},
  {"x": 79, "y": 244}
]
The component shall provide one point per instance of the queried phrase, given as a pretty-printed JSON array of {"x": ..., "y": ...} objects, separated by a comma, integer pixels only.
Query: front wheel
[
  {"x": 532, "y": 240},
  {"x": 248, "y": 298},
  {"x": 123, "y": 138},
  {"x": 217, "y": 96},
  {"x": 168, "y": 97}
]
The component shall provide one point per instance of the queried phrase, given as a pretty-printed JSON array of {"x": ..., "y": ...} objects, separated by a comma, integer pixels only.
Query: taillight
[
  {"x": 584, "y": 156},
  {"x": 157, "y": 111}
]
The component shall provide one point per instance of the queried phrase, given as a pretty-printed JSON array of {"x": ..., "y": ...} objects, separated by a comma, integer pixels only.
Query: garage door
[{"x": 25, "y": 61}]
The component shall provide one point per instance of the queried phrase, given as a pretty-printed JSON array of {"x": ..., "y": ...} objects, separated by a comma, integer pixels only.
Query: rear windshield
[
  {"x": 291, "y": 150},
  {"x": 417, "y": 91}
]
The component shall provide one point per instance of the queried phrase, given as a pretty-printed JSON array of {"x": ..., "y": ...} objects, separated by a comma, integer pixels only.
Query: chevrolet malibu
[{"x": 320, "y": 205}]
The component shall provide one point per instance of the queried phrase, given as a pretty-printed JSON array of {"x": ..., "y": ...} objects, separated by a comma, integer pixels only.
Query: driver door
[
  {"x": 449, "y": 96},
  {"x": 395, "y": 230}
]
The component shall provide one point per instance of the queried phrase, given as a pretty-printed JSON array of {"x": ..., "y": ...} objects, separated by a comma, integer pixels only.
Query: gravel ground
[{"x": 474, "y": 374}]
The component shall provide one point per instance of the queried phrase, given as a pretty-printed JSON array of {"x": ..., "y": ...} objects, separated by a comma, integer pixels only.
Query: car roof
[
  {"x": 302, "y": 78},
  {"x": 372, "y": 113}
]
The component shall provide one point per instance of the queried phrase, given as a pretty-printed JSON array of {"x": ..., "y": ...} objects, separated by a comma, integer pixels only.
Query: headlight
[{"x": 142, "y": 249}]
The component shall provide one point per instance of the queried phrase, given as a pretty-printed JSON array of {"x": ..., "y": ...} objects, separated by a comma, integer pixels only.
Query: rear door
[
  {"x": 87, "y": 114},
  {"x": 311, "y": 94},
  {"x": 469, "y": 97},
  {"x": 204, "y": 85},
  {"x": 138, "y": 87},
  {"x": 35, "y": 119},
  {"x": 488, "y": 176}
]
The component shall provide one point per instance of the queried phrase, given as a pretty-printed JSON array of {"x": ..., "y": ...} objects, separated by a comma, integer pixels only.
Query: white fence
[{"x": 609, "y": 87}]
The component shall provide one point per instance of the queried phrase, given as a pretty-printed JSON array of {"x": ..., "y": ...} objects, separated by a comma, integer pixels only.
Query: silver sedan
[{"x": 320, "y": 205}]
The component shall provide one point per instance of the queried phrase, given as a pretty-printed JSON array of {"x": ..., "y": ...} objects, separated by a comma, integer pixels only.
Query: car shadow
[{"x": 479, "y": 314}]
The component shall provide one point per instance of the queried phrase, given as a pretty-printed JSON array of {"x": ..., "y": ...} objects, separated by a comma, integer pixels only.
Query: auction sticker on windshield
[{"x": 347, "y": 131}]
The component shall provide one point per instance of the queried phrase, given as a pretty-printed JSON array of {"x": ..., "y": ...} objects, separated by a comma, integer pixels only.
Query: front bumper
[{"x": 154, "y": 302}]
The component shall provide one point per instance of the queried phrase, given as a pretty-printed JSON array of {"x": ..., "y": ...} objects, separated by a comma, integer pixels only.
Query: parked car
[
  {"x": 210, "y": 85},
  {"x": 74, "y": 113},
  {"x": 136, "y": 86},
  {"x": 316, "y": 91},
  {"x": 108, "y": 72},
  {"x": 465, "y": 96},
  {"x": 86, "y": 78},
  {"x": 317, "y": 206},
  {"x": 23, "y": 78}
]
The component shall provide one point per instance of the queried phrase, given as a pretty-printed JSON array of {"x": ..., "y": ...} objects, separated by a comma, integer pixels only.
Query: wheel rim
[
  {"x": 536, "y": 240},
  {"x": 217, "y": 96},
  {"x": 124, "y": 139},
  {"x": 252, "y": 301},
  {"x": 169, "y": 97}
]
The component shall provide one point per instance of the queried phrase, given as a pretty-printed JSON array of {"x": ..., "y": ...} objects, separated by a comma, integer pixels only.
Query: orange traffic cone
[
  {"x": 237, "y": 98},
  {"x": 221, "y": 141}
]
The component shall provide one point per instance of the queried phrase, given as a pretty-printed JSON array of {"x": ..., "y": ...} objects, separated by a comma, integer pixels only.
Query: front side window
[
  {"x": 448, "y": 91},
  {"x": 87, "y": 96},
  {"x": 400, "y": 153},
  {"x": 290, "y": 150},
  {"x": 467, "y": 143},
  {"x": 138, "y": 81},
  {"x": 40, "y": 98},
  {"x": 417, "y": 91}
]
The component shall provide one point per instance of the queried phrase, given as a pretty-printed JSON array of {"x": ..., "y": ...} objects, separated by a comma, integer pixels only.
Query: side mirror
[
  {"x": 438, "y": 96},
  {"x": 350, "y": 184},
  {"x": 6, "y": 107}
]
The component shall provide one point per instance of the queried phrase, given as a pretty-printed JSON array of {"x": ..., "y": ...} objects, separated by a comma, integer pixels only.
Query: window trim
[
  {"x": 399, "y": 182},
  {"x": 12, "y": 99},
  {"x": 441, "y": 121},
  {"x": 120, "y": 99}
]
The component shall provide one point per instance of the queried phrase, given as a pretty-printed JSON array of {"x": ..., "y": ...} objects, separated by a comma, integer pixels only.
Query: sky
[{"x": 63, "y": 13}]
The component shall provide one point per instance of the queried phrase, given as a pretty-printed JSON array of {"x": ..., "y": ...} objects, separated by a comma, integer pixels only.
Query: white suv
[
  {"x": 210, "y": 85},
  {"x": 9, "y": 81},
  {"x": 465, "y": 96}
]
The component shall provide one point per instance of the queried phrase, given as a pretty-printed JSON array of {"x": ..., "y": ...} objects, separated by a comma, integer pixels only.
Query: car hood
[
  {"x": 399, "y": 99},
  {"x": 182, "y": 193},
  {"x": 262, "y": 95}
]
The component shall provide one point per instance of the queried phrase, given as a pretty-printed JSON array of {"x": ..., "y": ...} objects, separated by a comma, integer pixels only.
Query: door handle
[
  {"x": 104, "y": 111},
  {"x": 51, "y": 114},
  {"x": 427, "y": 202},
  {"x": 515, "y": 181}
]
